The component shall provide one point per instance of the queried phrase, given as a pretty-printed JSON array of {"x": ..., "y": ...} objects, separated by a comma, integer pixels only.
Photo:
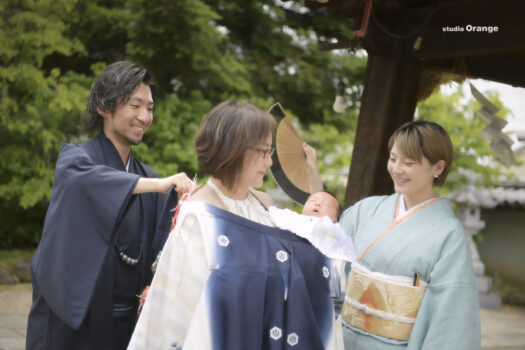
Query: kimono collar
[
  {"x": 401, "y": 209},
  {"x": 110, "y": 154},
  {"x": 397, "y": 220}
]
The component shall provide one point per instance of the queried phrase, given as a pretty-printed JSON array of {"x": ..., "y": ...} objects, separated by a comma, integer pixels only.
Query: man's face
[
  {"x": 321, "y": 204},
  {"x": 129, "y": 122}
]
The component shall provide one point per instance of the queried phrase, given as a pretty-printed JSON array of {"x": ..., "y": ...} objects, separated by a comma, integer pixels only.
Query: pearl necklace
[
  {"x": 250, "y": 208},
  {"x": 225, "y": 200}
]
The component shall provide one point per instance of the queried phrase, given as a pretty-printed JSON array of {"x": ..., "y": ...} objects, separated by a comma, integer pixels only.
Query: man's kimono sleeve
[
  {"x": 176, "y": 288},
  {"x": 86, "y": 203},
  {"x": 449, "y": 314}
]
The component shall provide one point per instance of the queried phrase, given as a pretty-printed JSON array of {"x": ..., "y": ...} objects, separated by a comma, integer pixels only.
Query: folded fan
[{"x": 289, "y": 161}]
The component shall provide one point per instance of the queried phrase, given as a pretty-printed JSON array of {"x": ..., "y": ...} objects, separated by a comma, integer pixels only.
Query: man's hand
[{"x": 180, "y": 182}]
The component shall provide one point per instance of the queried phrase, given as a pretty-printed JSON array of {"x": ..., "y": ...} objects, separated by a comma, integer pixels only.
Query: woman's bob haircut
[
  {"x": 228, "y": 130},
  {"x": 424, "y": 139}
]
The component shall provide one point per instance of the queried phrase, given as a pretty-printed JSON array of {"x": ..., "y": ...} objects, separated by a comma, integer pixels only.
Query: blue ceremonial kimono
[
  {"x": 84, "y": 295},
  {"x": 430, "y": 242},
  {"x": 225, "y": 282}
]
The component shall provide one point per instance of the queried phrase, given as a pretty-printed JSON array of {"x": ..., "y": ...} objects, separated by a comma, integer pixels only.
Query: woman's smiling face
[{"x": 411, "y": 177}]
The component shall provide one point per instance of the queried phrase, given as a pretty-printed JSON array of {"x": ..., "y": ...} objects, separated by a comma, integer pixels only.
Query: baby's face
[{"x": 321, "y": 204}]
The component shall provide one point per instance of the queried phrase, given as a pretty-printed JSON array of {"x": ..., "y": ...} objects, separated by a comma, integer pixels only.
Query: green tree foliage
[
  {"x": 38, "y": 109},
  {"x": 101, "y": 26},
  {"x": 185, "y": 48},
  {"x": 457, "y": 115},
  {"x": 201, "y": 52},
  {"x": 278, "y": 44}
]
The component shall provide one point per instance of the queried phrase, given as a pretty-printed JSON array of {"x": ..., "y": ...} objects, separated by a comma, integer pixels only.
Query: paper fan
[{"x": 289, "y": 161}]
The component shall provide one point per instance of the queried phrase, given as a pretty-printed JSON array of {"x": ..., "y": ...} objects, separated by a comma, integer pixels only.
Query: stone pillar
[{"x": 389, "y": 101}]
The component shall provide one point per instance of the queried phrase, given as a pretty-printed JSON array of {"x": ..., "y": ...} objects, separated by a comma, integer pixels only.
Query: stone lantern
[{"x": 469, "y": 201}]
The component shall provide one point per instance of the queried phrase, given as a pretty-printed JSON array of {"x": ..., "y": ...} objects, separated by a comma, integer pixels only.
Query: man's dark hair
[{"x": 113, "y": 88}]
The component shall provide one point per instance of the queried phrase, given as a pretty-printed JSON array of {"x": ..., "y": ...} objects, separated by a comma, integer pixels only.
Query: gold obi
[{"x": 380, "y": 304}]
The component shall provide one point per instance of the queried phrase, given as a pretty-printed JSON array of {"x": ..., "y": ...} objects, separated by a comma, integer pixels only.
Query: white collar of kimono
[
  {"x": 249, "y": 208},
  {"x": 402, "y": 211},
  {"x": 127, "y": 165}
]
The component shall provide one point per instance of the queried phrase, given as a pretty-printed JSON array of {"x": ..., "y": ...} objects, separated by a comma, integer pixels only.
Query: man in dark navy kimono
[{"x": 101, "y": 232}]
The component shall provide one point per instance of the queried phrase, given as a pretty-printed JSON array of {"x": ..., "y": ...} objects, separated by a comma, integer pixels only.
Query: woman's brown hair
[{"x": 228, "y": 130}]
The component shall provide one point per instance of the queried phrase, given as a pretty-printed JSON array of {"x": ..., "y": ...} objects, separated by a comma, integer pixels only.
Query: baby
[
  {"x": 318, "y": 224},
  {"x": 321, "y": 204}
]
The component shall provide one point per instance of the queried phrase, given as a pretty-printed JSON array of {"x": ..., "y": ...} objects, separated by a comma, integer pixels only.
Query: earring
[{"x": 436, "y": 176}]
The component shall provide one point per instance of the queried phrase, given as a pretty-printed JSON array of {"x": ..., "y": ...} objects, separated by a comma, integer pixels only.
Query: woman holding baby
[{"x": 228, "y": 279}]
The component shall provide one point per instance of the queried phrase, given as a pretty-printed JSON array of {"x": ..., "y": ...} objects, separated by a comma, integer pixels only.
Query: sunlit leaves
[{"x": 457, "y": 115}]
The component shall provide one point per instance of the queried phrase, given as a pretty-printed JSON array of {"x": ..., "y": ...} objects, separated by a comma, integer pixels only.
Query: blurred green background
[{"x": 201, "y": 53}]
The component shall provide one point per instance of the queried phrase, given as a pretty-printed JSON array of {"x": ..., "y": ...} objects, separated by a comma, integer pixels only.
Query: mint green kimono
[{"x": 433, "y": 243}]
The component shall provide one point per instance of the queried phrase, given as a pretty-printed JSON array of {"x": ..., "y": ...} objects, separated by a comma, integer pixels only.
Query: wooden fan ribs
[
  {"x": 289, "y": 161},
  {"x": 289, "y": 146}
]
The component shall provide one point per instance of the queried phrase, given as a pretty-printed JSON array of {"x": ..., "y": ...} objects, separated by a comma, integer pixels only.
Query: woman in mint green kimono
[{"x": 412, "y": 285}]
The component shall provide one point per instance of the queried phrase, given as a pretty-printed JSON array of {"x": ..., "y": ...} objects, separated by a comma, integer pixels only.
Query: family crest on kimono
[
  {"x": 412, "y": 285},
  {"x": 227, "y": 278},
  {"x": 99, "y": 236}
]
